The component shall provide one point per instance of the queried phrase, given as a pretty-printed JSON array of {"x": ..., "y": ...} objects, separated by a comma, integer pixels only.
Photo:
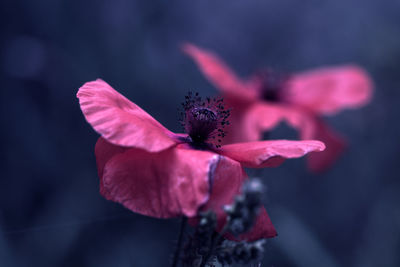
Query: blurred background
[{"x": 51, "y": 213}]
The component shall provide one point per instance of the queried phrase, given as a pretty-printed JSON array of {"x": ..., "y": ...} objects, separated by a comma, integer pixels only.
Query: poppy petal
[
  {"x": 269, "y": 153},
  {"x": 170, "y": 183},
  {"x": 263, "y": 117},
  {"x": 263, "y": 228},
  {"x": 219, "y": 74},
  {"x": 328, "y": 90},
  {"x": 120, "y": 121},
  {"x": 226, "y": 185},
  {"x": 104, "y": 151},
  {"x": 335, "y": 145}
]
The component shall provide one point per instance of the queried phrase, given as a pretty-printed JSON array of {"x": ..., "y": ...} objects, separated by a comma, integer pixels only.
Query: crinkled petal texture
[
  {"x": 120, "y": 121},
  {"x": 219, "y": 74},
  {"x": 174, "y": 182},
  {"x": 269, "y": 153},
  {"x": 335, "y": 145},
  {"x": 170, "y": 183},
  {"x": 328, "y": 90}
]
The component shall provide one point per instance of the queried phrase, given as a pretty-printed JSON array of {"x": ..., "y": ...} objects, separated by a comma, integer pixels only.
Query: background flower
[{"x": 261, "y": 102}]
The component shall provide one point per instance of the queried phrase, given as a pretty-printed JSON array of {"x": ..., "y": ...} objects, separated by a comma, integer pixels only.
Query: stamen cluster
[{"x": 204, "y": 120}]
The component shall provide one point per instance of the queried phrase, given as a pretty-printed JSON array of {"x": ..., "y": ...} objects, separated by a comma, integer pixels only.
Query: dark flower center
[
  {"x": 271, "y": 84},
  {"x": 201, "y": 122},
  {"x": 204, "y": 121}
]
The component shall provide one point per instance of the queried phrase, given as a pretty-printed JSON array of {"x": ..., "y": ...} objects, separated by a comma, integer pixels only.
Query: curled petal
[
  {"x": 335, "y": 145},
  {"x": 170, "y": 183},
  {"x": 328, "y": 90},
  {"x": 219, "y": 74},
  {"x": 120, "y": 121},
  {"x": 269, "y": 153},
  {"x": 225, "y": 185}
]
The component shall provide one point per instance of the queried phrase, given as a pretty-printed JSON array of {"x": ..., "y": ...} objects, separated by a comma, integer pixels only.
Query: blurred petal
[
  {"x": 219, "y": 74},
  {"x": 263, "y": 117},
  {"x": 226, "y": 184},
  {"x": 263, "y": 228},
  {"x": 166, "y": 184},
  {"x": 335, "y": 145},
  {"x": 269, "y": 153},
  {"x": 328, "y": 90},
  {"x": 120, "y": 121},
  {"x": 240, "y": 129}
]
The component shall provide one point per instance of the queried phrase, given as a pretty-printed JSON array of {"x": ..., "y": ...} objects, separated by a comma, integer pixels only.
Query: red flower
[
  {"x": 153, "y": 171},
  {"x": 267, "y": 98}
]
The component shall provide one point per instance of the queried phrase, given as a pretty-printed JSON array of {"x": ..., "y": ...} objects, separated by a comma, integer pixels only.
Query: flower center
[
  {"x": 271, "y": 84},
  {"x": 204, "y": 121},
  {"x": 201, "y": 122}
]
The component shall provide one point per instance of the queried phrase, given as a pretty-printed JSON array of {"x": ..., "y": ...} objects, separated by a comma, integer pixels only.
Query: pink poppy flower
[
  {"x": 264, "y": 100},
  {"x": 155, "y": 172}
]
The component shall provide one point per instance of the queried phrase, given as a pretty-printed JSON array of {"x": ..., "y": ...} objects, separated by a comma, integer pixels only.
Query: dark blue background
[{"x": 51, "y": 213}]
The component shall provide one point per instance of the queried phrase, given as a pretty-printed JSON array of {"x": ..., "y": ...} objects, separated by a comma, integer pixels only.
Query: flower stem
[
  {"x": 216, "y": 239},
  {"x": 179, "y": 245}
]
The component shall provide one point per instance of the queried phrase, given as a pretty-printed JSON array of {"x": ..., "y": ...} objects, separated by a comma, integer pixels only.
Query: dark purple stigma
[
  {"x": 272, "y": 84},
  {"x": 200, "y": 123},
  {"x": 204, "y": 121}
]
